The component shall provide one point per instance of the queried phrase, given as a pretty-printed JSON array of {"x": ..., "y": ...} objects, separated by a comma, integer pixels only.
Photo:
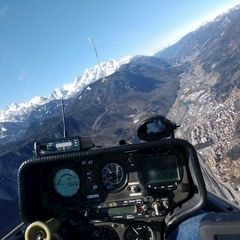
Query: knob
[
  {"x": 135, "y": 189},
  {"x": 149, "y": 199},
  {"x": 165, "y": 204},
  {"x": 89, "y": 179},
  {"x": 157, "y": 207},
  {"x": 144, "y": 207}
]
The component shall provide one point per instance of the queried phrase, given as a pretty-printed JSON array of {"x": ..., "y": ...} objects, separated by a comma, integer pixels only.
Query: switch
[{"x": 156, "y": 206}]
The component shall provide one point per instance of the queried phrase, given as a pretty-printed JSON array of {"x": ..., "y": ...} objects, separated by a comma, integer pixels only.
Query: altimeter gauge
[
  {"x": 139, "y": 231},
  {"x": 113, "y": 176}
]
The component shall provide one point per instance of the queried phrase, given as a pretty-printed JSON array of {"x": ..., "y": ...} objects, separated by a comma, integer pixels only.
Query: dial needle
[
  {"x": 109, "y": 170},
  {"x": 135, "y": 230},
  {"x": 117, "y": 170}
]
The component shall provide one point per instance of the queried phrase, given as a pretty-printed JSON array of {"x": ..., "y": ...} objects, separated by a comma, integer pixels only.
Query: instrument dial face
[
  {"x": 104, "y": 233},
  {"x": 66, "y": 182},
  {"x": 139, "y": 231},
  {"x": 113, "y": 176}
]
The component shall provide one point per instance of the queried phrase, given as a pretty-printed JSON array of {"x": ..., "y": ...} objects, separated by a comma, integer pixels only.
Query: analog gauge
[
  {"x": 66, "y": 182},
  {"x": 139, "y": 231},
  {"x": 104, "y": 233},
  {"x": 113, "y": 176}
]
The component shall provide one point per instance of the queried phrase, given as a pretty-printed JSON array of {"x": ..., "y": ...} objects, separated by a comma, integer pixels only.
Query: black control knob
[
  {"x": 144, "y": 208},
  {"x": 165, "y": 203},
  {"x": 149, "y": 199},
  {"x": 134, "y": 189},
  {"x": 89, "y": 179}
]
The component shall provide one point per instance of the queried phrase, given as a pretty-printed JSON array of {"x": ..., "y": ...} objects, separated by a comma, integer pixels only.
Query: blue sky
[{"x": 44, "y": 44}]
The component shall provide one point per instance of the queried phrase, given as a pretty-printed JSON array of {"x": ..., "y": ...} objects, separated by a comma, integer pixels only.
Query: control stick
[{"x": 42, "y": 230}]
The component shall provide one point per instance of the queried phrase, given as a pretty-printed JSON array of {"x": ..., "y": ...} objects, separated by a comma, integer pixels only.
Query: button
[
  {"x": 90, "y": 162},
  {"x": 95, "y": 187},
  {"x": 84, "y": 162},
  {"x": 89, "y": 179},
  {"x": 114, "y": 225}
]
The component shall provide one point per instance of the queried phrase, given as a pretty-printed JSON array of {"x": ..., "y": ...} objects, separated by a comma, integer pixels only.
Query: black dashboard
[{"x": 127, "y": 192}]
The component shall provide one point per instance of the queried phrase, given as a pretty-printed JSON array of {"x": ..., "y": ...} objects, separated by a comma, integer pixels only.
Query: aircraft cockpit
[{"x": 145, "y": 191}]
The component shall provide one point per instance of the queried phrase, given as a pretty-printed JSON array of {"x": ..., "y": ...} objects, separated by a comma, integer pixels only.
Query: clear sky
[{"x": 44, "y": 43}]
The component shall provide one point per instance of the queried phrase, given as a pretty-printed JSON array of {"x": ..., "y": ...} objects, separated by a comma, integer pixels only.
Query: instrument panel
[
  {"x": 116, "y": 186},
  {"x": 122, "y": 185},
  {"x": 124, "y": 190}
]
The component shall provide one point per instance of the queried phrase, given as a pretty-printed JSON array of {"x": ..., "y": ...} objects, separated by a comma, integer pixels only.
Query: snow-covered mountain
[{"x": 20, "y": 112}]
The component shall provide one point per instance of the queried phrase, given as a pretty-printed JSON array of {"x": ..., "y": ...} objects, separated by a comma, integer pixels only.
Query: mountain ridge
[
  {"x": 19, "y": 112},
  {"x": 41, "y": 107}
]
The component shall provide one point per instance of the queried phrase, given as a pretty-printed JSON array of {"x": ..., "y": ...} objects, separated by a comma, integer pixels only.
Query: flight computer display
[{"x": 160, "y": 170}]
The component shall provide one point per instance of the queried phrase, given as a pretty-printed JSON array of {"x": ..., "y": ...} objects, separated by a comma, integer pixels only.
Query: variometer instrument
[
  {"x": 139, "y": 231},
  {"x": 113, "y": 176},
  {"x": 66, "y": 182}
]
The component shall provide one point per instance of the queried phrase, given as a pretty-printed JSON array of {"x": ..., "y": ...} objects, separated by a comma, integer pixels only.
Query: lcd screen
[
  {"x": 125, "y": 210},
  {"x": 122, "y": 210},
  {"x": 63, "y": 144},
  {"x": 161, "y": 169}
]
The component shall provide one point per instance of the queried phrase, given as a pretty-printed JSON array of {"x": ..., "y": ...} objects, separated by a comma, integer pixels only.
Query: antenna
[
  {"x": 64, "y": 144},
  {"x": 63, "y": 119},
  {"x": 96, "y": 54}
]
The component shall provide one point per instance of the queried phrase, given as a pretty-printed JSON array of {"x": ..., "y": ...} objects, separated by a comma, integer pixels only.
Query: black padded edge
[
  {"x": 196, "y": 203},
  {"x": 218, "y": 204},
  {"x": 82, "y": 154}
]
